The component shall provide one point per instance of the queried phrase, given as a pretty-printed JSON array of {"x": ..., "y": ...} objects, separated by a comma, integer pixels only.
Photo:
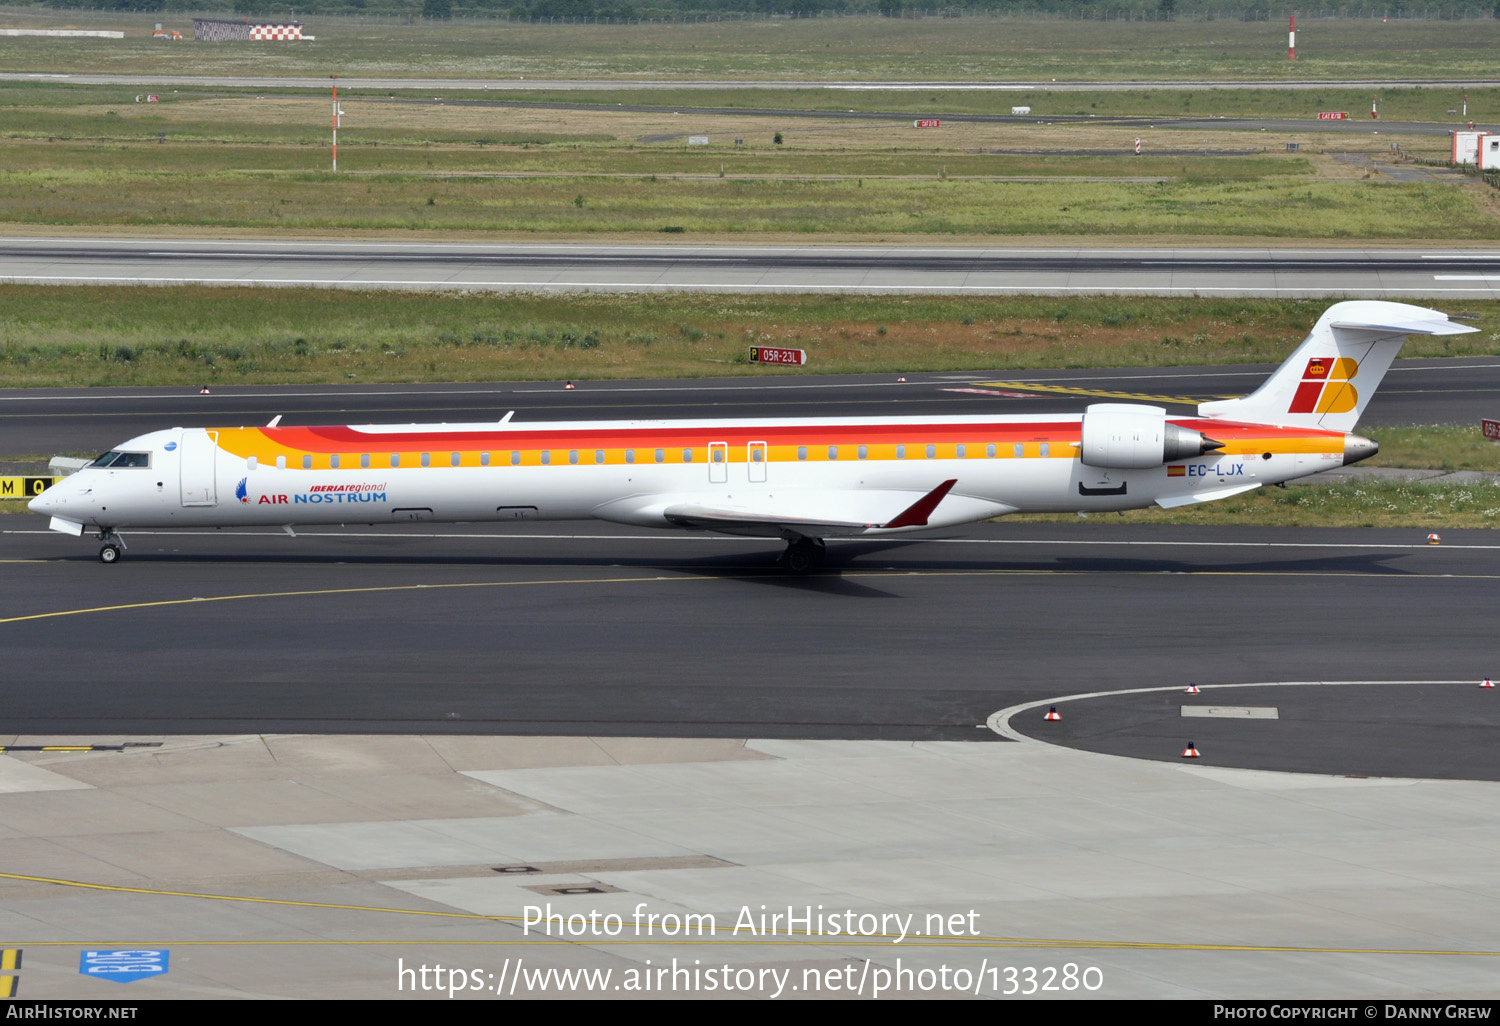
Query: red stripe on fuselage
[{"x": 344, "y": 439}]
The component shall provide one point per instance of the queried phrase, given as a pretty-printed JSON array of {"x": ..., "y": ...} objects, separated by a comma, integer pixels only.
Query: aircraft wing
[
  {"x": 821, "y": 514},
  {"x": 816, "y": 513}
]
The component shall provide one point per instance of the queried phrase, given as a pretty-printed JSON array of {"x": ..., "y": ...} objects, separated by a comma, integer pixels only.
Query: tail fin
[{"x": 1329, "y": 380}]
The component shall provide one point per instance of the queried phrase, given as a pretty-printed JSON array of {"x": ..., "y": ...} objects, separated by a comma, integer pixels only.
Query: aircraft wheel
[
  {"x": 803, "y": 557},
  {"x": 109, "y": 553}
]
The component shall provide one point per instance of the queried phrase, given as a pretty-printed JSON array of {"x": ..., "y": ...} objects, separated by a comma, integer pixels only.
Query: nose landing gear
[{"x": 113, "y": 548}]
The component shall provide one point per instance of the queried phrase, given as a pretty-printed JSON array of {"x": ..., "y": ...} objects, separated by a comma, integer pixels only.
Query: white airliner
[{"x": 798, "y": 480}]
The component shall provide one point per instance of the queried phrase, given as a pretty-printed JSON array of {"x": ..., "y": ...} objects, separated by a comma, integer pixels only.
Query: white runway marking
[{"x": 999, "y": 721}]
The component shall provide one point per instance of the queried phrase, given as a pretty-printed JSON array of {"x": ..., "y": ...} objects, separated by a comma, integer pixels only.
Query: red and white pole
[
  {"x": 335, "y": 121},
  {"x": 1291, "y": 40}
]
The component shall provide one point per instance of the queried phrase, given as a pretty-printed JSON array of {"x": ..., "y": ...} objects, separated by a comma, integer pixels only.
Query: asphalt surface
[
  {"x": 1375, "y": 273},
  {"x": 596, "y": 630},
  {"x": 51, "y": 421}
]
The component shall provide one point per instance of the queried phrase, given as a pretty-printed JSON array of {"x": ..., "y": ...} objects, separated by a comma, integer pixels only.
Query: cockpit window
[{"x": 117, "y": 459}]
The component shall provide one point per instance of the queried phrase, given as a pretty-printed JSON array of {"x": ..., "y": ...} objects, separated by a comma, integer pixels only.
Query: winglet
[{"x": 917, "y": 513}]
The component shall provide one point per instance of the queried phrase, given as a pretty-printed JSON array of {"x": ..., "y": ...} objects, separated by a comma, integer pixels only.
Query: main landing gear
[
  {"x": 803, "y": 555},
  {"x": 113, "y": 548}
]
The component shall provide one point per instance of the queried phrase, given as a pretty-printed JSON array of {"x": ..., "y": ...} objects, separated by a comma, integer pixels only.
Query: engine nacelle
[{"x": 1123, "y": 436}]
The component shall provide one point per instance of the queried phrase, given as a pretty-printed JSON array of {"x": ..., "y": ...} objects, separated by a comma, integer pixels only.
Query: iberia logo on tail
[{"x": 1327, "y": 386}]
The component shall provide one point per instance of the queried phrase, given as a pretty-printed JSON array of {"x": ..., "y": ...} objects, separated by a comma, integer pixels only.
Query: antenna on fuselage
[
  {"x": 506, "y": 419},
  {"x": 275, "y": 420}
]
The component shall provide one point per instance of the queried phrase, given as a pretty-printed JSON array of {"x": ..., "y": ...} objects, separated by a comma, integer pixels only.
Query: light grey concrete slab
[
  {"x": 17, "y": 776},
  {"x": 1050, "y": 850},
  {"x": 373, "y": 844},
  {"x": 59, "y": 814}
]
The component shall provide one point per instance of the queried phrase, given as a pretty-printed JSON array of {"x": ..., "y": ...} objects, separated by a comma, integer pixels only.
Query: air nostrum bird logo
[{"x": 242, "y": 492}]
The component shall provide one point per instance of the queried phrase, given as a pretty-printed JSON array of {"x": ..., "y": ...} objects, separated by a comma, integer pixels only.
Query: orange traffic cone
[
  {"x": 900, "y": 381},
  {"x": 568, "y": 385},
  {"x": 203, "y": 390},
  {"x": 1192, "y": 689},
  {"x": 1052, "y": 714},
  {"x": 1433, "y": 539},
  {"x": 1487, "y": 683},
  {"x": 1190, "y": 752}
]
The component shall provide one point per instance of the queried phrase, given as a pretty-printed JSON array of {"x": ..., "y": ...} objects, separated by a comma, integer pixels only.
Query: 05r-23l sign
[{"x": 774, "y": 354}]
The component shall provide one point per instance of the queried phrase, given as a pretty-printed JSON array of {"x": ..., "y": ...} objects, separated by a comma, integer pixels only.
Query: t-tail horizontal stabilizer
[{"x": 1330, "y": 378}]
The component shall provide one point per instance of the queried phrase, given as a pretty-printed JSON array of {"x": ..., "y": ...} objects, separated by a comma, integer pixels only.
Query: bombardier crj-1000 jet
[{"x": 798, "y": 480}]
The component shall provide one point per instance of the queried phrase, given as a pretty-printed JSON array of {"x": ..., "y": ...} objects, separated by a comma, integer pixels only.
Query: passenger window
[
  {"x": 1020, "y": 450},
  {"x": 454, "y": 459},
  {"x": 864, "y": 452},
  {"x": 484, "y": 459},
  {"x": 573, "y": 456},
  {"x": 427, "y": 459},
  {"x": 687, "y": 455},
  {"x": 932, "y": 452},
  {"x": 802, "y": 452},
  {"x": 961, "y": 451},
  {"x": 307, "y": 463},
  {"x": 515, "y": 459},
  {"x": 546, "y": 457},
  {"x": 281, "y": 463},
  {"x": 833, "y": 452},
  {"x": 598, "y": 455},
  {"x": 989, "y": 450},
  {"x": 629, "y": 455},
  {"x": 661, "y": 455},
  {"x": 333, "y": 462},
  {"x": 718, "y": 455},
  {"x": 364, "y": 460},
  {"x": 900, "y": 452},
  {"x": 1044, "y": 450},
  {"x": 395, "y": 459}
]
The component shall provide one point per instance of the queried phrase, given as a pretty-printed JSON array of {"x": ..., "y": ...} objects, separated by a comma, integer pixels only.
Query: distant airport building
[
  {"x": 221, "y": 30},
  {"x": 1466, "y": 146}
]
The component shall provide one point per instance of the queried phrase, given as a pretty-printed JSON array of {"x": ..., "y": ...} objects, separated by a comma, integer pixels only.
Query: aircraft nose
[{"x": 43, "y": 503}]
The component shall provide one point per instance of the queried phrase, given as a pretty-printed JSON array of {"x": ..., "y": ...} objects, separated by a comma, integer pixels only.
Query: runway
[
  {"x": 596, "y": 630},
  {"x": 1367, "y": 273}
]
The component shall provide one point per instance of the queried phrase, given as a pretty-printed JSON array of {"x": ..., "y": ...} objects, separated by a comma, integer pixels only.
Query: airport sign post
[
  {"x": 1491, "y": 429},
  {"x": 1333, "y": 115},
  {"x": 927, "y": 123},
  {"x": 773, "y": 354}
]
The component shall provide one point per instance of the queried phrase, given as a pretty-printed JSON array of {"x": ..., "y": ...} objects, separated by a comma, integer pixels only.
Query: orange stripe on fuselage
[{"x": 783, "y": 441}]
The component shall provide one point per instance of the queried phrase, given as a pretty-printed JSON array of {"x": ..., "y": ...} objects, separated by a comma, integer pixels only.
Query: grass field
[
  {"x": 824, "y": 49},
  {"x": 1365, "y": 503},
  {"x": 54, "y": 336},
  {"x": 205, "y": 160}
]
